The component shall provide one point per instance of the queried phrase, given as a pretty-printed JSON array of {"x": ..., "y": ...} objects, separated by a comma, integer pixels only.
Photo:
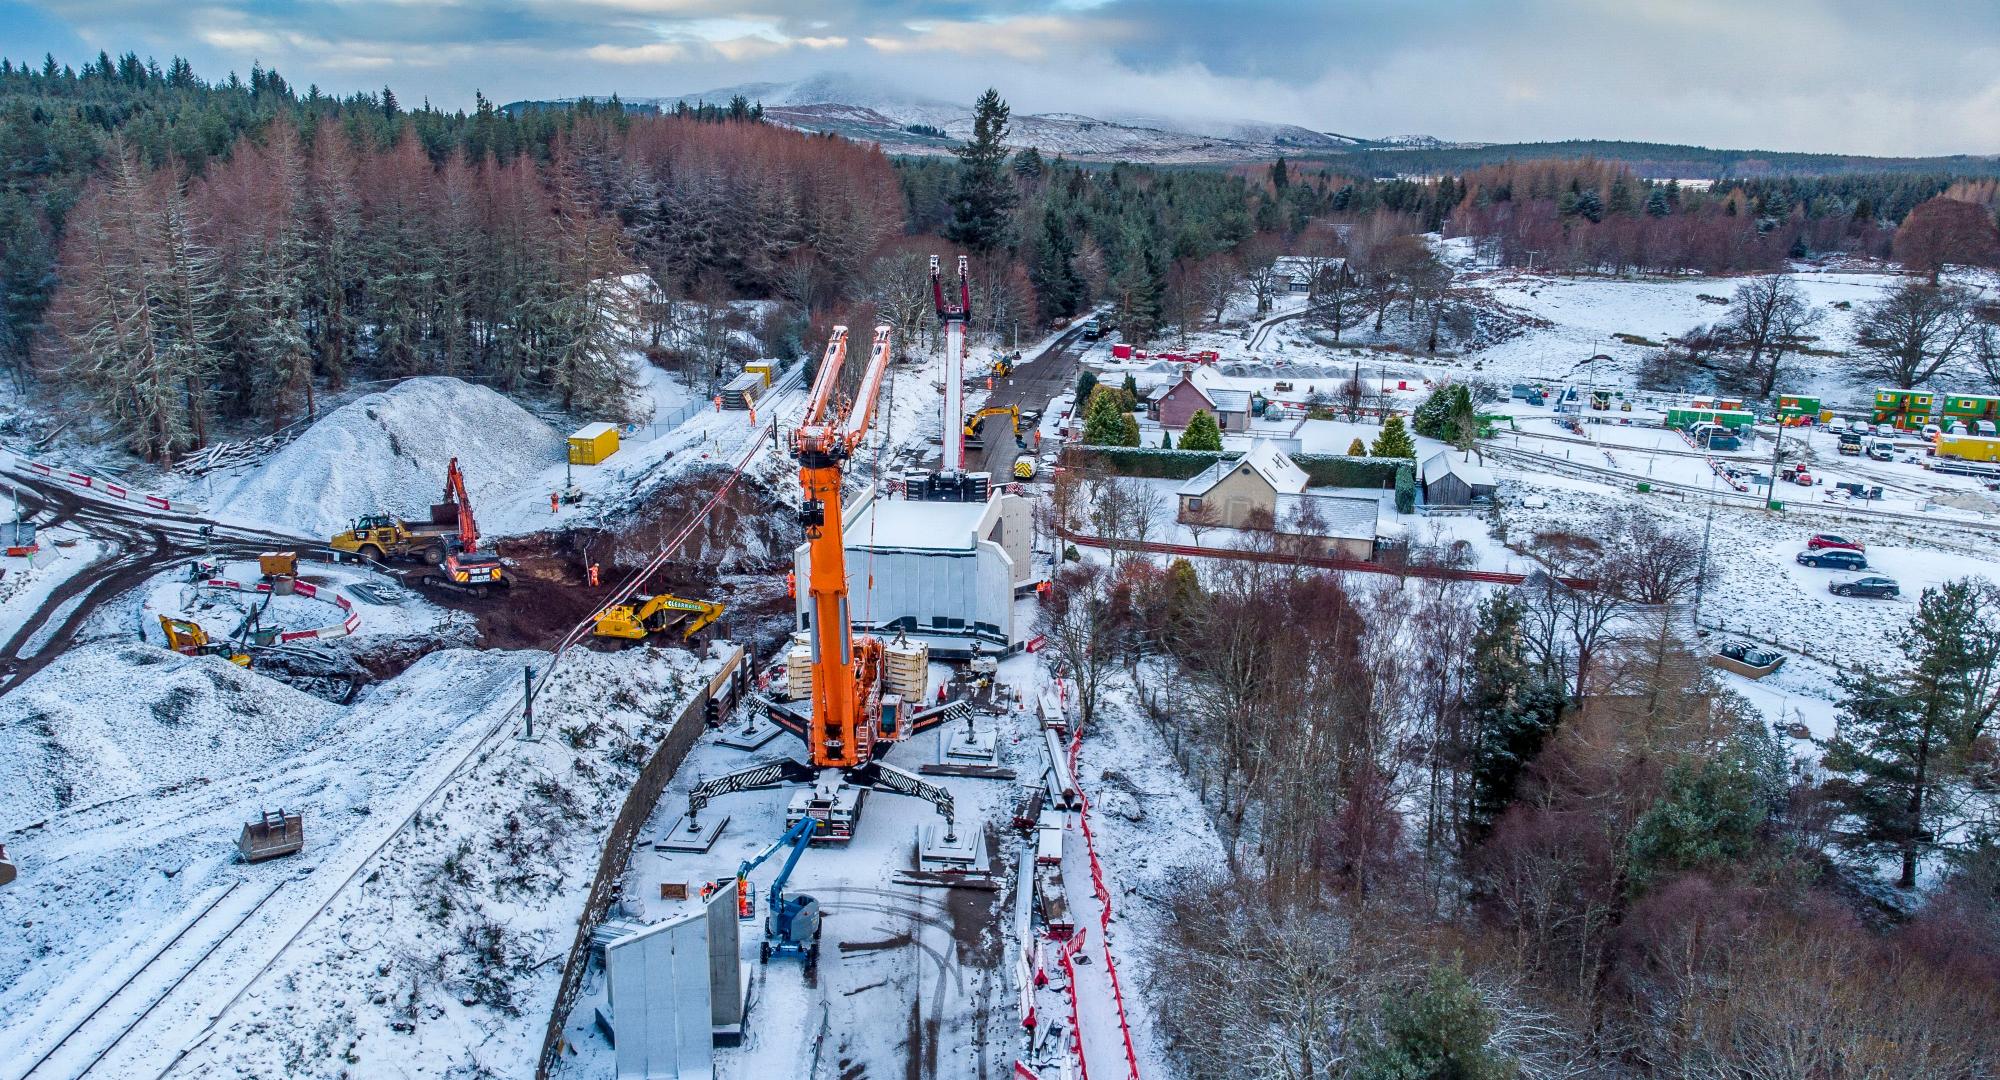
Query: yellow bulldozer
[
  {"x": 187, "y": 637},
  {"x": 644, "y": 615}
]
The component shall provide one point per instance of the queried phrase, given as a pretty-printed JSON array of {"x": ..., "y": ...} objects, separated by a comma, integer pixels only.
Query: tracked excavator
[
  {"x": 449, "y": 542},
  {"x": 850, "y": 718},
  {"x": 644, "y": 615}
]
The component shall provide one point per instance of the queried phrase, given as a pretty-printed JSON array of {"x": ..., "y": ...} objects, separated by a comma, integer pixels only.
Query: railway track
[
  {"x": 89, "y": 1031},
  {"x": 1564, "y": 466}
]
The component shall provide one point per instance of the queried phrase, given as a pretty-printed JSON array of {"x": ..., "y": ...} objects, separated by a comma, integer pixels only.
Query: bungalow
[
  {"x": 1342, "y": 526},
  {"x": 1178, "y": 404},
  {"x": 1451, "y": 479},
  {"x": 1237, "y": 494}
]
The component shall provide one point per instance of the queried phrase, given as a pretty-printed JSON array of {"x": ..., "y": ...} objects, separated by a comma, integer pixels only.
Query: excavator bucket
[{"x": 271, "y": 836}]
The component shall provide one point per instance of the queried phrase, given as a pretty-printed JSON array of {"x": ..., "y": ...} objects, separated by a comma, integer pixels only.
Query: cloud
[{"x": 1848, "y": 75}]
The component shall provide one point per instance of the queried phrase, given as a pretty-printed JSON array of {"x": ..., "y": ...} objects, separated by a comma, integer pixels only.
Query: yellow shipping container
[
  {"x": 759, "y": 367},
  {"x": 1968, "y": 447},
  {"x": 593, "y": 443}
]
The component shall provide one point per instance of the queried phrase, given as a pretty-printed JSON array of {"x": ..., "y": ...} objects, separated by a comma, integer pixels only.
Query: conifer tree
[
  {"x": 1394, "y": 441},
  {"x": 1357, "y": 448},
  {"x": 1202, "y": 432},
  {"x": 983, "y": 194}
]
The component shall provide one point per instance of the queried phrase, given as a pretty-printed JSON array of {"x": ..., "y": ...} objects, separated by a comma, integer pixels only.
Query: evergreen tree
[
  {"x": 1086, "y": 384},
  {"x": 1059, "y": 289},
  {"x": 1904, "y": 737},
  {"x": 1104, "y": 421},
  {"x": 1131, "y": 390},
  {"x": 1709, "y": 816},
  {"x": 1440, "y": 1030},
  {"x": 984, "y": 194},
  {"x": 1406, "y": 489},
  {"x": 1166, "y": 439},
  {"x": 1202, "y": 432},
  {"x": 1656, "y": 204},
  {"x": 1511, "y": 710},
  {"x": 1357, "y": 448},
  {"x": 1394, "y": 441}
]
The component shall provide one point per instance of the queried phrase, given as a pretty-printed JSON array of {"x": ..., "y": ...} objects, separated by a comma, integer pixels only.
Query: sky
[{"x": 1897, "y": 78}]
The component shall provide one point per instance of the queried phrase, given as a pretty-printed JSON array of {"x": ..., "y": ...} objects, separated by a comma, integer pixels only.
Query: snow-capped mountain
[{"x": 904, "y": 122}]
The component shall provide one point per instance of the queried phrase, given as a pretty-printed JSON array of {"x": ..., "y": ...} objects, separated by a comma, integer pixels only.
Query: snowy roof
[
  {"x": 1229, "y": 400},
  {"x": 592, "y": 431},
  {"x": 908, "y": 524},
  {"x": 1444, "y": 463},
  {"x": 1198, "y": 484},
  {"x": 1283, "y": 473},
  {"x": 1345, "y": 517}
]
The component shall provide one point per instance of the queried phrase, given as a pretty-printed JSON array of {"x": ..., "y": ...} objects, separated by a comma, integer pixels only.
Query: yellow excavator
[
  {"x": 189, "y": 639},
  {"x": 644, "y": 615},
  {"x": 976, "y": 423}
]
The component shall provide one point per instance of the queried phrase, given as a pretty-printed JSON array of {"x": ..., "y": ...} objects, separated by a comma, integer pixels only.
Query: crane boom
[{"x": 846, "y": 673}]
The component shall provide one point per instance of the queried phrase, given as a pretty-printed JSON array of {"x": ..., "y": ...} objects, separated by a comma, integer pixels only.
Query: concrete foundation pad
[
  {"x": 934, "y": 850},
  {"x": 681, "y": 838},
  {"x": 959, "y": 745},
  {"x": 744, "y": 737}
]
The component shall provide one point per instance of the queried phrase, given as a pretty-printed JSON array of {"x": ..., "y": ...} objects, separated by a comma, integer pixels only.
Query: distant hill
[{"x": 871, "y": 110}]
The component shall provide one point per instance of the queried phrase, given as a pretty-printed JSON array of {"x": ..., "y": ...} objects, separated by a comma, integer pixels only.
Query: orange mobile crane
[{"x": 850, "y": 715}]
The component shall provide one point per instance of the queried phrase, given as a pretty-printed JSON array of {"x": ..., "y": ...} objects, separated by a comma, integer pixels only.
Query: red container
[{"x": 1121, "y": 352}]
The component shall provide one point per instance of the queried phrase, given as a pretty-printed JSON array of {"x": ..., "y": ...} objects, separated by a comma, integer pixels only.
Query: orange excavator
[
  {"x": 449, "y": 542},
  {"x": 850, "y": 715}
]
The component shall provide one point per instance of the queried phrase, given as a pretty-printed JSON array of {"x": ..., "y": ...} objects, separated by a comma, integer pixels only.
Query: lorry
[{"x": 1093, "y": 328}]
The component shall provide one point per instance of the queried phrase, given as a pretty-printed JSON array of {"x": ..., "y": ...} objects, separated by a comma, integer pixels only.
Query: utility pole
[
  {"x": 1707, "y": 530},
  {"x": 1771, "y": 489}
]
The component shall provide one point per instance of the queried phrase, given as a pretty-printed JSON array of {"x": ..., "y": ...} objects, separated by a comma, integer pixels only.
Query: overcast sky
[{"x": 1901, "y": 77}]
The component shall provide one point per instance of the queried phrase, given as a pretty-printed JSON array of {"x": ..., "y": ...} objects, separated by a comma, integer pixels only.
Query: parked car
[
  {"x": 1872, "y": 585},
  {"x": 1745, "y": 653},
  {"x": 1828, "y": 540},
  {"x": 1833, "y": 559}
]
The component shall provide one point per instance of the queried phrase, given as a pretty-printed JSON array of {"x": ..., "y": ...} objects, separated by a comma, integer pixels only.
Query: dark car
[
  {"x": 1828, "y": 540},
  {"x": 1833, "y": 559},
  {"x": 1872, "y": 585}
]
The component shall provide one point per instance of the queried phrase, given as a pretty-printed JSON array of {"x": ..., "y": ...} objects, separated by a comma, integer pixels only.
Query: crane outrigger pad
[{"x": 696, "y": 839}]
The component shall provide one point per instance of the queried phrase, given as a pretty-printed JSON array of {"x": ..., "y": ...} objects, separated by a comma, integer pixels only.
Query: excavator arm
[{"x": 454, "y": 493}]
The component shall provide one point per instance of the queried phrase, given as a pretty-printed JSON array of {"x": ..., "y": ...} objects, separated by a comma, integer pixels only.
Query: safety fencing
[
  {"x": 347, "y": 625},
  {"x": 611, "y": 864},
  {"x": 1326, "y": 562},
  {"x": 1104, "y": 919},
  {"x": 101, "y": 486}
]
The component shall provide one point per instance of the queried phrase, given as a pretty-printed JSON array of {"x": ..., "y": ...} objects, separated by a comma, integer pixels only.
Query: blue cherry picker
[{"x": 791, "y": 923}]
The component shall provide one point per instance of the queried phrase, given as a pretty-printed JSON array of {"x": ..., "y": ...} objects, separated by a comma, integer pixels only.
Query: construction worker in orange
[
  {"x": 718, "y": 403},
  {"x": 753, "y": 417},
  {"x": 791, "y": 585},
  {"x": 593, "y": 575},
  {"x": 552, "y": 503}
]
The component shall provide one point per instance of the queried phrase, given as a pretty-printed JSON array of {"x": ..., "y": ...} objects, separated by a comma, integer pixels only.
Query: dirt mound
[{"x": 387, "y": 452}]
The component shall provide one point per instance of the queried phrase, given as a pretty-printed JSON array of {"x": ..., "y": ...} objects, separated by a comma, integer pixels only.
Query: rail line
[
  {"x": 1727, "y": 498},
  {"x": 1324, "y": 562},
  {"x": 119, "y": 991}
]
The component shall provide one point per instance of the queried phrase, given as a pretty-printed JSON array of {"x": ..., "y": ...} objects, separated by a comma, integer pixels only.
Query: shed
[
  {"x": 1450, "y": 479},
  {"x": 593, "y": 443}
]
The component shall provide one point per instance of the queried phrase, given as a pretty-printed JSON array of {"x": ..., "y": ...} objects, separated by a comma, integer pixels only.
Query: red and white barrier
[
  {"x": 307, "y": 589},
  {"x": 103, "y": 487}
]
